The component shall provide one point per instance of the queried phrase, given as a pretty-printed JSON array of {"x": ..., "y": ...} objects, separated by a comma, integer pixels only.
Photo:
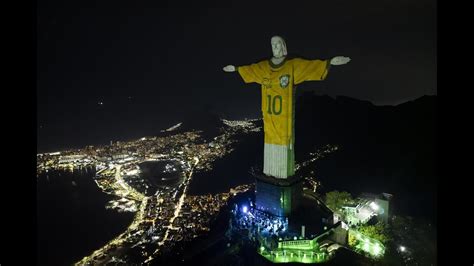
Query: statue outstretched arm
[
  {"x": 249, "y": 73},
  {"x": 339, "y": 60},
  {"x": 230, "y": 68}
]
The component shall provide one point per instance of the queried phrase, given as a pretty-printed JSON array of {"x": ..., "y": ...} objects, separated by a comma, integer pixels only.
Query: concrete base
[{"x": 278, "y": 196}]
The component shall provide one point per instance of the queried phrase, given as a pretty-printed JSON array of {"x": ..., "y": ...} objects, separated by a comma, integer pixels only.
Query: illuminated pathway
[
  {"x": 176, "y": 211},
  {"x": 119, "y": 178},
  {"x": 139, "y": 217},
  {"x": 119, "y": 240},
  {"x": 127, "y": 190},
  {"x": 180, "y": 204}
]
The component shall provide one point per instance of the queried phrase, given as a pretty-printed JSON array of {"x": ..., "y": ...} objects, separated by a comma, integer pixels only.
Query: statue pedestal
[{"x": 278, "y": 196}]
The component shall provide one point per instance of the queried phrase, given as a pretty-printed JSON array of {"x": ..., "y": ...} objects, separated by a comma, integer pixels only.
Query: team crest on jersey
[{"x": 284, "y": 80}]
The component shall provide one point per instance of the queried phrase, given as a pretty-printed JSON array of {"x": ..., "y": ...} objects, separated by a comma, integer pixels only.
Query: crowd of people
[{"x": 256, "y": 221}]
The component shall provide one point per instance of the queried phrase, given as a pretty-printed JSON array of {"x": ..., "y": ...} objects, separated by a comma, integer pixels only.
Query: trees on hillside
[
  {"x": 336, "y": 199},
  {"x": 378, "y": 231}
]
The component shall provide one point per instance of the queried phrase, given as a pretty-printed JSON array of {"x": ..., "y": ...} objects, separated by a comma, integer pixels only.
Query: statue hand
[
  {"x": 229, "y": 68},
  {"x": 340, "y": 60}
]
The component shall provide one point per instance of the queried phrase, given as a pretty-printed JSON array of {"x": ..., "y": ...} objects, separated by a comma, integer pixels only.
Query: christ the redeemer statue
[{"x": 278, "y": 78}]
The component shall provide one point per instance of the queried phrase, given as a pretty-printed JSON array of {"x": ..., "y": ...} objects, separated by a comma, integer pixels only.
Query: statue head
[{"x": 278, "y": 47}]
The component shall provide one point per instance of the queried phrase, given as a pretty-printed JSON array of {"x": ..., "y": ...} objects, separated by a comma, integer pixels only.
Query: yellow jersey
[{"x": 278, "y": 91}]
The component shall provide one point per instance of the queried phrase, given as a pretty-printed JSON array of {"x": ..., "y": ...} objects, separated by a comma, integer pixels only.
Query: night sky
[{"x": 165, "y": 60}]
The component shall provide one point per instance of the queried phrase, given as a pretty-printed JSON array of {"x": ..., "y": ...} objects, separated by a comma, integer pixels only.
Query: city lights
[{"x": 169, "y": 215}]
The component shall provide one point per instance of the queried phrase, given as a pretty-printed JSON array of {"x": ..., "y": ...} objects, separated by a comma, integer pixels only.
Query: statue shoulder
[
  {"x": 263, "y": 64},
  {"x": 294, "y": 59}
]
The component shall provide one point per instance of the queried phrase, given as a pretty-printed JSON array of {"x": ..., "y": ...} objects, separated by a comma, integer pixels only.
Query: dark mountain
[
  {"x": 382, "y": 148},
  {"x": 203, "y": 120}
]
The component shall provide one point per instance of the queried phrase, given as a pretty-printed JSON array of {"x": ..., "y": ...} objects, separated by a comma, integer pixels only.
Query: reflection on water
[{"x": 72, "y": 218}]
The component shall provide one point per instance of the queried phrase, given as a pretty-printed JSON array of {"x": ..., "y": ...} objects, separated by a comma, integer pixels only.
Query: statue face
[{"x": 277, "y": 47}]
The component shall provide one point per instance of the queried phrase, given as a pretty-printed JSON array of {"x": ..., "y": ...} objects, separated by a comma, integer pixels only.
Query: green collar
[{"x": 277, "y": 65}]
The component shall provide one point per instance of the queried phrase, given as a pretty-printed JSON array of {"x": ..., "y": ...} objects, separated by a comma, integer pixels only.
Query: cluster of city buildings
[
  {"x": 168, "y": 216},
  {"x": 182, "y": 145}
]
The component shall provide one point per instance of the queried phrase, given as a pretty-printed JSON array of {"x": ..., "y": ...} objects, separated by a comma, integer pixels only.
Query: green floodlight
[
  {"x": 366, "y": 246},
  {"x": 377, "y": 250}
]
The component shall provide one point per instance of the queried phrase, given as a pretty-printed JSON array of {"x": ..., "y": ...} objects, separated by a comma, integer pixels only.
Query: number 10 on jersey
[{"x": 274, "y": 104}]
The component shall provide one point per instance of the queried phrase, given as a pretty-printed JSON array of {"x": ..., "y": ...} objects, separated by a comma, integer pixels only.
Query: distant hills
[{"x": 383, "y": 148}]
